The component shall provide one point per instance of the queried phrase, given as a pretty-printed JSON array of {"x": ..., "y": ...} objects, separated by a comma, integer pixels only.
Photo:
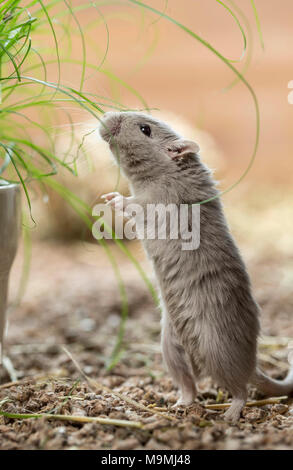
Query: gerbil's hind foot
[
  {"x": 232, "y": 415},
  {"x": 182, "y": 402},
  {"x": 187, "y": 395}
]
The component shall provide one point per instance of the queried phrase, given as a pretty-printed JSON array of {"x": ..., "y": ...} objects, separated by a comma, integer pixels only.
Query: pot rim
[{"x": 8, "y": 186}]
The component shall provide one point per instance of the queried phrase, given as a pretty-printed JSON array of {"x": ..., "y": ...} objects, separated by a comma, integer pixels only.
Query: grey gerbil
[{"x": 210, "y": 320}]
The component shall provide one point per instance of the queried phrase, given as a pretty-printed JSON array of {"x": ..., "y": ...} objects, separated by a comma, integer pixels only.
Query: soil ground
[{"x": 72, "y": 299}]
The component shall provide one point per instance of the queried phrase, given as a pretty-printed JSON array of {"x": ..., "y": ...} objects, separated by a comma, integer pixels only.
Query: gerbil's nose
[{"x": 110, "y": 125}]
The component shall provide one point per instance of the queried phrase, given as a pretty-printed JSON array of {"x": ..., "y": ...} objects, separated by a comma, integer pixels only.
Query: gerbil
[{"x": 210, "y": 320}]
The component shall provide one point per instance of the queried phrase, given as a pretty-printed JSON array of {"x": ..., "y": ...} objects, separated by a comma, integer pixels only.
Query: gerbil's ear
[{"x": 183, "y": 149}]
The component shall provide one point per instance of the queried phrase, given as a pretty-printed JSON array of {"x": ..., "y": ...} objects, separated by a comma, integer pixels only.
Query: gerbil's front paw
[
  {"x": 115, "y": 200},
  {"x": 110, "y": 197}
]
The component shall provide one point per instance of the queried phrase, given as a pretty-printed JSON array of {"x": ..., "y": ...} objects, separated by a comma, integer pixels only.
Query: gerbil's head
[{"x": 142, "y": 145}]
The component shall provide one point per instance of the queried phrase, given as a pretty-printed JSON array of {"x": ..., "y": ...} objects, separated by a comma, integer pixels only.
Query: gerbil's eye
[{"x": 145, "y": 129}]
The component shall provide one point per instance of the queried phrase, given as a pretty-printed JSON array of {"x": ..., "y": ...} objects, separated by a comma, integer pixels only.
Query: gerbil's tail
[{"x": 273, "y": 387}]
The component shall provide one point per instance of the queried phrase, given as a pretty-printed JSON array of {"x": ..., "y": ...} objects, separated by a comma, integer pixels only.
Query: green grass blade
[
  {"x": 6, "y": 51},
  {"x": 103, "y": 60},
  {"x": 258, "y": 24},
  {"x": 239, "y": 26},
  {"x": 249, "y": 48},
  {"x": 6, "y": 161},
  {"x": 55, "y": 40},
  {"x": 83, "y": 45},
  {"x": 20, "y": 179}
]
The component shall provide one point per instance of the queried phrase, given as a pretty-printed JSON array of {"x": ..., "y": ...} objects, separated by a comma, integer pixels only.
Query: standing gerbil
[{"x": 210, "y": 319}]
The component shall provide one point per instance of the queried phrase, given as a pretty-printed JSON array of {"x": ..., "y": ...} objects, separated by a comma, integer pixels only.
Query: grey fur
[{"x": 210, "y": 320}]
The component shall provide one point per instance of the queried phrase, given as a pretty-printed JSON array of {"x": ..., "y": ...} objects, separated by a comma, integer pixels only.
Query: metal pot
[{"x": 9, "y": 232}]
